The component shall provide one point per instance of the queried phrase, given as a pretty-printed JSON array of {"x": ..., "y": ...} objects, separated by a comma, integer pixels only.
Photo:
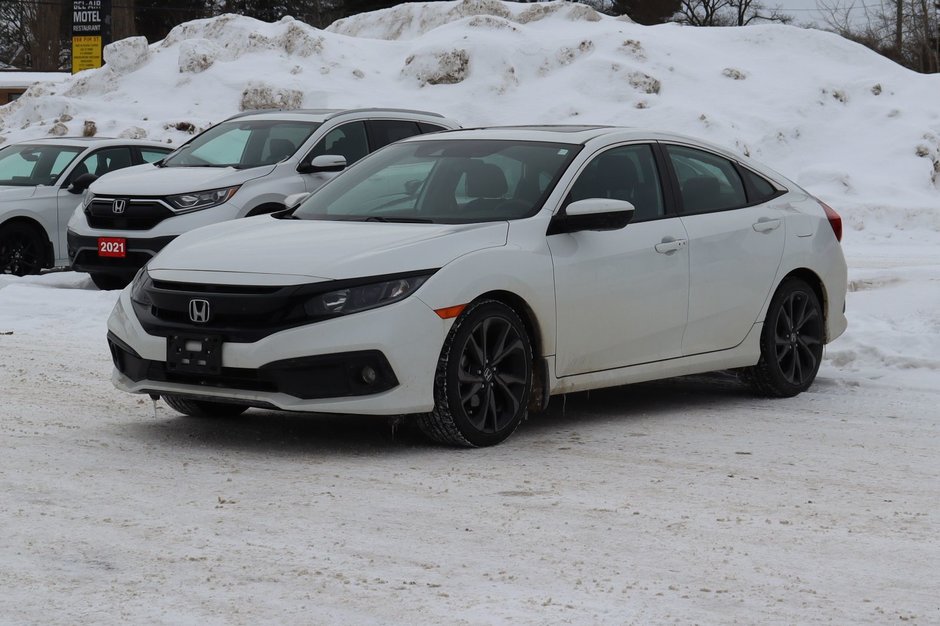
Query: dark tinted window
[
  {"x": 384, "y": 132},
  {"x": 103, "y": 161},
  {"x": 348, "y": 140},
  {"x": 707, "y": 182},
  {"x": 762, "y": 189},
  {"x": 625, "y": 173},
  {"x": 429, "y": 128}
]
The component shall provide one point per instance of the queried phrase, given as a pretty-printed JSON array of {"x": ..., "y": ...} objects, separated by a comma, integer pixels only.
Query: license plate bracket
[
  {"x": 194, "y": 354},
  {"x": 112, "y": 247}
]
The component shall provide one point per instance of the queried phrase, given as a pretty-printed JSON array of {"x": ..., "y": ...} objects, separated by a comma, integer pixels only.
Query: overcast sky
[{"x": 807, "y": 11}]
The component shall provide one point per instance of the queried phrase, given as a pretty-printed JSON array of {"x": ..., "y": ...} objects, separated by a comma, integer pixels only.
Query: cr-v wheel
[
  {"x": 483, "y": 379},
  {"x": 21, "y": 250},
  {"x": 203, "y": 408},
  {"x": 791, "y": 342}
]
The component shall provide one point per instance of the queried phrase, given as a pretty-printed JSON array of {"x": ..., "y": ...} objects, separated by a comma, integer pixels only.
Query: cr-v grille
[{"x": 134, "y": 214}]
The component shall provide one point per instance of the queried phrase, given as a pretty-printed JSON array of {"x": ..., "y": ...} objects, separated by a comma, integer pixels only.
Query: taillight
[{"x": 835, "y": 220}]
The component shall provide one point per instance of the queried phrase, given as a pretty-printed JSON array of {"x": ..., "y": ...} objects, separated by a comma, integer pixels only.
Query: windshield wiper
[{"x": 398, "y": 220}]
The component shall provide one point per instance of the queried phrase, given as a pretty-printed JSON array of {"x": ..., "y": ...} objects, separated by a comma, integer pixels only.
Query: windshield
[
  {"x": 28, "y": 166},
  {"x": 453, "y": 181},
  {"x": 243, "y": 144}
]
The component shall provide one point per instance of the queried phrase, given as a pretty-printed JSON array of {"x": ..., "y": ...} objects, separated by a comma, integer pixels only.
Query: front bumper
[
  {"x": 316, "y": 368},
  {"x": 83, "y": 254}
]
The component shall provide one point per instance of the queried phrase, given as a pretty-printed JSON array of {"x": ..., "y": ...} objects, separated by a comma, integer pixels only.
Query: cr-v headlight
[
  {"x": 363, "y": 297},
  {"x": 201, "y": 199},
  {"x": 87, "y": 199}
]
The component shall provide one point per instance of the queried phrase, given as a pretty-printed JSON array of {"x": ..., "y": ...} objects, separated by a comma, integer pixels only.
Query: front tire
[
  {"x": 22, "y": 250},
  {"x": 203, "y": 408},
  {"x": 483, "y": 379},
  {"x": 791, "y": 343}
]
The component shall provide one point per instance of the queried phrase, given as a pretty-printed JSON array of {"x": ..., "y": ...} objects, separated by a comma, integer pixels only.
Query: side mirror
[
  {"x": 82, "y": 182},
  {"x": 592, "y": 214},
  {"x": 323, "y": 163},
  {"x": 293, "y": 201}
]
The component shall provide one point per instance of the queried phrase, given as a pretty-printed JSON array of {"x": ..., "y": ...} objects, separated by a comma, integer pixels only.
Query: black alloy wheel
[
  {"x": 791, "y": 342},
  {"x": 21, "y": 250},
  {"x": 483, "y": 379}
]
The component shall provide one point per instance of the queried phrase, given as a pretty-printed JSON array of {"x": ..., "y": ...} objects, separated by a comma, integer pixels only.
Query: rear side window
[
  {"x": 760, "y": 188},
  {"x": 707, "y": 182},
  {"x": 430, "y": 128},
  {"x": 152, "y": 156}
]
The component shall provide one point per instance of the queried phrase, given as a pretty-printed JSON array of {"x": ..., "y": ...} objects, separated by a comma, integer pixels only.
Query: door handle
[
  {"x": 670, "y": 245},
  {"x": 766, "y": 224}
]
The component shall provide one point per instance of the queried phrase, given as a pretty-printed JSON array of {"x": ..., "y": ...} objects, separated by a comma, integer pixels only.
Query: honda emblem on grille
[
  {"x": 118, "y": 206},
  {"x": 199, "y": 311}
]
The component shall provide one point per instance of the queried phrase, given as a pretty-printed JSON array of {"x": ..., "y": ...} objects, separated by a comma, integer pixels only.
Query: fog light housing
[{"x": 368, "y": 375}]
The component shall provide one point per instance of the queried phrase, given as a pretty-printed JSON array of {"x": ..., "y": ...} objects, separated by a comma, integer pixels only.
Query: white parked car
[
  {"x": 42, "y": 181},
  {"x": 469, "y": 275},
  {"x": 246, "y": 165}
]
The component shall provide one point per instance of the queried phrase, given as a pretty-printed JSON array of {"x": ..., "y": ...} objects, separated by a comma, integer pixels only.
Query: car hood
[
  {"x": 16, "y": 192},
  {"x": 151, "y": 180},
  {"x": 324, "y": 250}
]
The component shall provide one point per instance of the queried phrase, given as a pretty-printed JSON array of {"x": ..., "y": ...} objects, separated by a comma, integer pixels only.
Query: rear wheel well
[
  {"x": 43, "y": 236},
  {"x": 815, "y": 282}
]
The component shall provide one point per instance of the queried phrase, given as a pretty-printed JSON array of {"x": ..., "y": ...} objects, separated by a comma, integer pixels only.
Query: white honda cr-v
[
  {"x": 243, "y": 166},
  {"x": 467, "y": 276}
]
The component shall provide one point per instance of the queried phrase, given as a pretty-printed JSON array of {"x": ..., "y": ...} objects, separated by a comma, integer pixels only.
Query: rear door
[{"x": 736, "y": 241}]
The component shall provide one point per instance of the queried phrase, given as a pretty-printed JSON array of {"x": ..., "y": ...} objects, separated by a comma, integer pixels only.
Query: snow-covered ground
[{"x": 685, "y": 501}]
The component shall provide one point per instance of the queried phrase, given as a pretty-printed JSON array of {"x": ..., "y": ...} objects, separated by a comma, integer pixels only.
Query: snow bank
[{"x": 852, "y": 126}]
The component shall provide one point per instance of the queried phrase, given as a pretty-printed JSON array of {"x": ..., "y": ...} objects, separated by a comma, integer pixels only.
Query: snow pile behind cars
[{"x": 849, "y": 124}]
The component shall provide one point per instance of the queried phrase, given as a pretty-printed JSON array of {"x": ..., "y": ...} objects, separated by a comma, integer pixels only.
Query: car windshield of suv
[
  {"x": 31, "y": 165},
  {"x": 453, "y": 181},
  {"x": 243, "y": 144}
]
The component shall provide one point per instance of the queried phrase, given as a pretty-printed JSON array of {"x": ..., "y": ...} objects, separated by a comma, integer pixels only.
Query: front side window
[
  {"x": 31, "y": 165},
  {"x": 103, "y": 161},
  {"x": 447, "y": 181},
  {"x": 348, "y": 140},
  {"x": 384, "y": 132},
  {"x": 707, "y": 182},
  {"x": 624, "y": 173},
  {"x": 243, "y": 144}
]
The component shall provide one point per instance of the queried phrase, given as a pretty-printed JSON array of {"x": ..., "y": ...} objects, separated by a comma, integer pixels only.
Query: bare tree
[
  {"x": 728, "y": 13},
  {"x": 905, "y": 31}
]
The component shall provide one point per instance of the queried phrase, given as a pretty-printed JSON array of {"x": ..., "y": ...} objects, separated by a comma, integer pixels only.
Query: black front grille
[
  {"x": 236, "y": 313},
  {"x": 324, "y": 376},
  {"x": 136, "y": 213}
]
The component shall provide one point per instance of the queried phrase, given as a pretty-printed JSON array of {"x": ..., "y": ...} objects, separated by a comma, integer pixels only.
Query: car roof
[
  {"x": 322, "y": 115},
  {"x": 572, "y": 134},
  {"x": 93, "y": 142}
]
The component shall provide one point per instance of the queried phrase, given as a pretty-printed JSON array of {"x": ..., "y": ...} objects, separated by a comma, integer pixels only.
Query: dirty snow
[{"x": 683, "y": 501}]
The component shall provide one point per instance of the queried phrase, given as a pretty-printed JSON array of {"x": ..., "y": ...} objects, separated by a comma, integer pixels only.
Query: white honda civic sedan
[{"x": 467, "y": 276}]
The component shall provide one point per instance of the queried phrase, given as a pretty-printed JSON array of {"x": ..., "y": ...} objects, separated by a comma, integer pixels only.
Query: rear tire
[
  {"x": 483, "y": 379},
  {"x": 791, "y": 343},
  {"x": 22, "y": 250},
  {"x": 203, "y": 408},
  {"x": 107, "y": 282}
]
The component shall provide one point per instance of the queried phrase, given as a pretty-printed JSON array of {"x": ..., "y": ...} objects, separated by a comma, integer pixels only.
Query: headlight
[
  {"x": 139, "y": 288},
  {"x": 87, "y": 199},
  {"x": 363, "y": 297},
  {"x": 201, "y": 199}
]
